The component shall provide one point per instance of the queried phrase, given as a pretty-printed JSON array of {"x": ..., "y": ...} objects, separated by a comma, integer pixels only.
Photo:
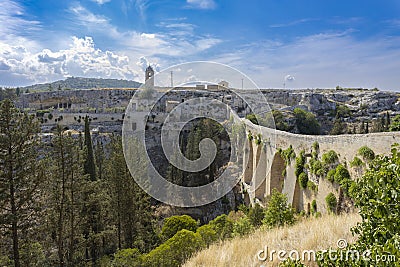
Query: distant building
[
  {"x": 149, "y": 76},
  {"x": 223, "y": 84}
]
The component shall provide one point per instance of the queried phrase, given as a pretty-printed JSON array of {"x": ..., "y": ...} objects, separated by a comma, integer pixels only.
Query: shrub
[
  {"x": 331, "y": 202},
  {"x": 175, "y": 250},
  {"x": 366, "y": 153},
  {"x": 341, "y": 174},
  {"x": 250, "y": 136},
  {"x": 303, "y": 180},
  {"x": 256, "y": 215},
  {"x": 174, "y": 224},
  {"x": 208, "y": 234},
  {"x": 316, "y": 167},
  {"x": 312, "y": 186},
  {"x": 299, "y": 166},
  {"x": 330, "y": 157},
  {"x": 377, "y": 196},
  {"x": 331, "y": 175},
  {"x": 223, "y": 226},
  {"x": 258, "y": 140},
  {"x": 315, "y": 147},
  {"x": 288, "y": 154},
  {"x": 313, "y": 206},
  {"x": 129, "y": 257},
  {"x": 278, "y": 212},
  {"x": 356, "y": 162},
  {"x": 242, "y": 226}
]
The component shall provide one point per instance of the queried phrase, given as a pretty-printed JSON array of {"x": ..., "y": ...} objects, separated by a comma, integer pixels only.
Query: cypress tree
[
  {"x": 387, "y": 125},
  {"x": 89, "y": 166}
]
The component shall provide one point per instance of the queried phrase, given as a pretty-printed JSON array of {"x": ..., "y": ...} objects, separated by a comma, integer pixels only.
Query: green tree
[
  {"x": 132, "y": 214},
  {"x": 65, "y": 196},
  {"x": 90, "y": 167},
  {"x": 130, "y": 257},
  {"x": 306, "y": 122},
  {"x": 395, "y": 124},
  {"x": 256, "y": 215},
  {"x": 176, "y": 250},
  {"x": 377, "y": 196},
  {"x": 21, "y": 175},
  {"x": 278, "y": 211},
  {"x": 174, "y": 224},
  {"x": 338, "y": 127}
]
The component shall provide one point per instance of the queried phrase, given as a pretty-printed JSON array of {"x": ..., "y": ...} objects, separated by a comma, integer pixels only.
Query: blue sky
[{"x": 304, "y": 44}]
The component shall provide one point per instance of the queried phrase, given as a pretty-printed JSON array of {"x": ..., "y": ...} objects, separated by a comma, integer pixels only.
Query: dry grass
[{"x": 309, "y": 234}]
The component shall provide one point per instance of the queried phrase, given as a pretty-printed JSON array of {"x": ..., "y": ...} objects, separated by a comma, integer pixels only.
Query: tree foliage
[
  {"x": 174, "y": 224},
  {"x": 306, "y": 122},
  {"x": 278, "y": 211}
]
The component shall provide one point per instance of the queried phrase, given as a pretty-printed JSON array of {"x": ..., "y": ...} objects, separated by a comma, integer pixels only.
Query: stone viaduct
[{"x": 264, "y": 168}]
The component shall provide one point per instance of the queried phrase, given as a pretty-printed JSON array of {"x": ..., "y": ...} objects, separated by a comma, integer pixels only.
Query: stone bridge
[{"x": 265, "y": 169}]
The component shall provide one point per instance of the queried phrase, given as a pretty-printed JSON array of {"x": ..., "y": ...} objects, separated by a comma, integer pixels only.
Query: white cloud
[
  {"x": 143, "y": 63},
  {"x": 201, "y": 4},
  {"x": 172, "y": 42},
  {"x": 82, "y": 58},
  {"x": 101, "y": 2},
  {"x": 321, "y": 61},
  {"x": 292, "y": 23}
]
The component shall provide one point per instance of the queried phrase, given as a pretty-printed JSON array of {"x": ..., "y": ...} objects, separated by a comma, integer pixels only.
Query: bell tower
[{"x": 149, "y": 75}]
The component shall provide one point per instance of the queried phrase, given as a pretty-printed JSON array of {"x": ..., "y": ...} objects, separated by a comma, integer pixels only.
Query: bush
[
  {"x": 278, "y": 212},
  {"x": 314, "y": 206},
  {"x": 174, "y": 224},
  {"x": 331, "y": 175},
  {"x": 316, "y": 167},
  {"x": 288, "y": 154},
  {"x": 242, "y": 226},
  {"x": 315, "y": 147},
  {"x": 331, "y": 202},
  {"x": 223, "y": 226},
  {"x": 330, "y": 158},
  {"x": 299, "y": 166},
  {"x": 175, "y": 250},
  {"x": 366, "y": 153},
  {"x": 303, "y": 180},
  {"x": 258, "y": 140},
  {"x": 208, "y": 234},
  {"x": 256, "y": 215},
  {"x": 341, "y": 174},
  {"x": 312, "y": 186},
  {"x": 377, "y": 196},
  {"x": 356, "y": 162},
  {"x": 129, "y": 257}
]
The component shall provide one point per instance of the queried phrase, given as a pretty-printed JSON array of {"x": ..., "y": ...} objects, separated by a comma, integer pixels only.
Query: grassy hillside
[
  {"x": 83, "y": 83},
  {"x": 309, "y": 234}
]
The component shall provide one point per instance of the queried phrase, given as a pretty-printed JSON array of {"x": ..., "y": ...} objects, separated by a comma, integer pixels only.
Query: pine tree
[
  {"x": 133, "y": 216},
  {"x": 21, "y": 175},
  {"x": 65, "y": 196}
]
